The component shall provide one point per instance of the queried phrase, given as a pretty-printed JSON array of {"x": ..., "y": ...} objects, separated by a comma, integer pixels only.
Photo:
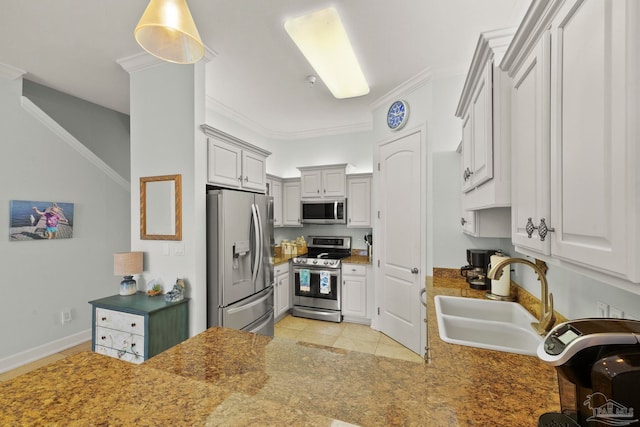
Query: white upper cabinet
[
  {"x": 575, "y": 71},
  {"x": 491, "y": 222},
  {"x": 484, "y": 108},
  {"x": 530, "y": 148},
  {"x": 274, "y": 189},
  {"x": 323, "y": 181},
  {"x": 234, "y": 163},
  {"x": 291, "y": 203},
  {"x": 359, "y": 200}
]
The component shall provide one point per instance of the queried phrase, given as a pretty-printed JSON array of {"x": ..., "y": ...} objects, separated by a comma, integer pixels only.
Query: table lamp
[{"x": 127, "y": 264}]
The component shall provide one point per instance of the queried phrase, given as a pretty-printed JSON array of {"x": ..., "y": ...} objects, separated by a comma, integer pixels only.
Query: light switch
[{"x": 178, "y": 249}]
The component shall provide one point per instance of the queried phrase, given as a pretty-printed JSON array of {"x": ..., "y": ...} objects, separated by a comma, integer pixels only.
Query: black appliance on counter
[
  {"x": 477, "y": 267},
  {"x": 317, "y": 278},
  {"x": 598, "y": 365}
]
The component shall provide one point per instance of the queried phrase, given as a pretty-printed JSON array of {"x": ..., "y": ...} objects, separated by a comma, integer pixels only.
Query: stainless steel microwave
[{"x": 324, "y": 211}]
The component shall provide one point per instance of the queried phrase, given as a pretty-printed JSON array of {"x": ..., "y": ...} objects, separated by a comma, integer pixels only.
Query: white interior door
[{"x": 399, "y": 240}]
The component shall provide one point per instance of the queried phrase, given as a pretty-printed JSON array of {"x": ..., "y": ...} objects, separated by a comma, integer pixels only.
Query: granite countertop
[{"x": 228, "y": 377}]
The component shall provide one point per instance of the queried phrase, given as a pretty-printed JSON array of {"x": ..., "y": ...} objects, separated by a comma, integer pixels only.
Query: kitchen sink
[{"x": 493, "y": 325}]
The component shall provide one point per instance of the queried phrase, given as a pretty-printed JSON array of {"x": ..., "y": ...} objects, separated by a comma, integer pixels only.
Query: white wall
[
  {"x": 41, "y": 278},
  {"x": 167, "y": 109}
]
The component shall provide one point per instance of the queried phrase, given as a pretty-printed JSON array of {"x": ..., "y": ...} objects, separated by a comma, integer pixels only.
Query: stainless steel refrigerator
[{"x": 239, "y": 263}]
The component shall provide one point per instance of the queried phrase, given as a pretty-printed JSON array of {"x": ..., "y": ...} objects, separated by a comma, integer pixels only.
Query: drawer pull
[
  {"x": 103, "y": 337},
  {"x": 133, "y": 325},
  {"x": 104, "y": 318},
  {"x": 133, "y": 345}
]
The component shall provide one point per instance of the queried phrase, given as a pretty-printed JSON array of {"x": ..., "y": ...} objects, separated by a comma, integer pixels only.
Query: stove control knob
[
  {"x": 315, "y": 261},
  {"x": 326, "y": 263}
]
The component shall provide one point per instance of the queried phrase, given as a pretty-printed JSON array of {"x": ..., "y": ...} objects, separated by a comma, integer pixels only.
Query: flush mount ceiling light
[
  {"x": 323, "y": 40},
  {"x": 167, "y": 30}
]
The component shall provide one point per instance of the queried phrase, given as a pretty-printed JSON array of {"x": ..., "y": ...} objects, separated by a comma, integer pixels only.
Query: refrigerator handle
[
  {"x": 256, "y": 252},
  {"x": 260, "y": 240}
]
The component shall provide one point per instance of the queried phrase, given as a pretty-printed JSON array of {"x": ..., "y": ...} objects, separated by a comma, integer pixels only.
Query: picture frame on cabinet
[{"x": 40, "y": 220}]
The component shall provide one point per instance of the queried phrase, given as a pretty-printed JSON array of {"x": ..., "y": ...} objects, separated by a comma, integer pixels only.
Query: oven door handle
[{"x": 335, "y": 210}]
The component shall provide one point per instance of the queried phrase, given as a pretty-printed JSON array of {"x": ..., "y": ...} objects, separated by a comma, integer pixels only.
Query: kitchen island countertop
[{"x": 228, "y": 377}]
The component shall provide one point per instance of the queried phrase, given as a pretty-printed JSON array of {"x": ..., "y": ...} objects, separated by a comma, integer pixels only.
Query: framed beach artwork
[{"x": 30, "y": 220}]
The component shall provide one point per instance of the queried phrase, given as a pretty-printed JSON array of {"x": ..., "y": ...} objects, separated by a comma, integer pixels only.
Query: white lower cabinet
[
  {"x": 354, "y": 293},
  {"x": 282, "y": 290}
]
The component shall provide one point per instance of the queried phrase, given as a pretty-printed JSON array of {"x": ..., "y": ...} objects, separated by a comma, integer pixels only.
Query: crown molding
[
  {"x": 63, "y": 134},
  {"x": 410, "y": 85},
  {"x": 217, "y": 107},
  {"x": 491, "y": 46},
  {"x": 143, "y": 60},
  {"x": 11, "y": 73},
  {"x": 415, "y": 82},
  {"x": 536, "y": 20}
]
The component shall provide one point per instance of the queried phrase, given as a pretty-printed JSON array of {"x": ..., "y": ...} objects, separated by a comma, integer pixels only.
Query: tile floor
[{"x": 349, "y": 336}]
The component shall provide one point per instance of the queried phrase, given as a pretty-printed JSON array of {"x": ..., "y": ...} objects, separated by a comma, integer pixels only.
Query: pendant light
[{"x": 167, "y": 30}]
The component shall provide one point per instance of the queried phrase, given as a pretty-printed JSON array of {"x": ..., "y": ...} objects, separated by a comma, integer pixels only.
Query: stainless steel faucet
[{"x": 547, "y": 317}]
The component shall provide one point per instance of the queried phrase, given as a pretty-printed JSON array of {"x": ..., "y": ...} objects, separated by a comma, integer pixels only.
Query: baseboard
[
  {"x": 359, "y": 320},
  {"x": 33, "y": 354}
]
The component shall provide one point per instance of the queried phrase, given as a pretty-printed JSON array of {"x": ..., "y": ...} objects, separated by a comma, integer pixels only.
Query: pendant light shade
[{"x": 167, "y": 30}]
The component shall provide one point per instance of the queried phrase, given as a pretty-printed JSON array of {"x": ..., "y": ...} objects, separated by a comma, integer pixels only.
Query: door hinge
[
  {"x": 378, "y": 214},
  {"x": 378, "y": 166},
  {"x": 378, "y": 263},
  {"x": 378, "y": 311}
]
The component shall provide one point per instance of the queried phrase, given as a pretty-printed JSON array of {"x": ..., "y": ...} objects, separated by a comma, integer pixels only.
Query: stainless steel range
[{"x": 317, "y": 277}]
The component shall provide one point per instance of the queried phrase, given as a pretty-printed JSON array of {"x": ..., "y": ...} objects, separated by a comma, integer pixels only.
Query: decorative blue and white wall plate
[{"x": 397, "y": 115}]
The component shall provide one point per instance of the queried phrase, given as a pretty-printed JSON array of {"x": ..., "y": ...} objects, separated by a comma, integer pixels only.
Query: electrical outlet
[
  {"x": 602, "y": 309},
  {"x": 616, "y": 313},
  {"x": 65, "y": 316}
]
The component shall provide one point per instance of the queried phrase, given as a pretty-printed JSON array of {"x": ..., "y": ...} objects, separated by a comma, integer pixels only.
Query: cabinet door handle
[
  {"x": 318, "y": 191},
  {"x": 103, "y": 337},
  {"x": 246, "y": 179},
  {"x": 543, "y": 229},
  {"x": 462, "y": 221},
  {"x": 133, "y": 325},
  {"x": 104, "y": 318},
  {"x": 415, "y": 270},
  {"x": 240, "y": 178}
]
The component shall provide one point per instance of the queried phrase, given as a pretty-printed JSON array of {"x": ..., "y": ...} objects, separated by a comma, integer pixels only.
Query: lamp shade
[
  {"x": 167, "y": 30},
  {"x": 127, "y": 263}
]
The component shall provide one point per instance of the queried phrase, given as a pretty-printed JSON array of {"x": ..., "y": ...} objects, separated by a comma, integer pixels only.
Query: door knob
[{"x": 415, "y": 270}]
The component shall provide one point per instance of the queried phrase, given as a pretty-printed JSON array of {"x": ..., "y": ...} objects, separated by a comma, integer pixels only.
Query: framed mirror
[{"x": 161, "y": 207}]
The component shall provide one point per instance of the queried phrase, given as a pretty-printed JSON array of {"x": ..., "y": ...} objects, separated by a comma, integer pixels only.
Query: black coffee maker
[
  {"x": 477, "y": 267},
  {"x": 598, "y": 365}
]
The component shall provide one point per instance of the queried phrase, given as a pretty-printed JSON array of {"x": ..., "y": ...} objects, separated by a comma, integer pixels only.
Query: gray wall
[
  {"x": 41, "y": 278},
  {"x": 105, "y": 132}
]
